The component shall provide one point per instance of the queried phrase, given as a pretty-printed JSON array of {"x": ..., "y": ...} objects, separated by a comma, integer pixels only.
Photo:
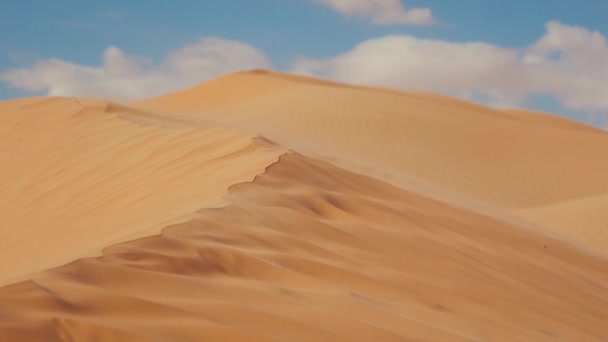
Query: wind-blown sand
[
  {"x": 79, "y": 175},
  {"x": 299, "y": 209}
]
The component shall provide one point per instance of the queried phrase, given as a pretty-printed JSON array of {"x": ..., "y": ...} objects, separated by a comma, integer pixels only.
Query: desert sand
[{"x": 262, "y": 206}]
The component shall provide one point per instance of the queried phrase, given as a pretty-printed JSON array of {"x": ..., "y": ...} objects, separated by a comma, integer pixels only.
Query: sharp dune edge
[
  {"x": 78, "y": 175},
  {"x": 299, "y": 209}
]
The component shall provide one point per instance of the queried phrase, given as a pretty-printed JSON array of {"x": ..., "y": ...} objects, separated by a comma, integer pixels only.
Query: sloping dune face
[
  {"x": 514, "y": 160},
  {"x": 312, "y": 252},
  {"x": 299, "y": 209},
  {"x": 78, "y": 175}
]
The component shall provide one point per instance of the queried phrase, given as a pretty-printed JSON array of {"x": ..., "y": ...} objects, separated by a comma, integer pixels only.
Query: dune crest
[{"x": 79, "y": 175}]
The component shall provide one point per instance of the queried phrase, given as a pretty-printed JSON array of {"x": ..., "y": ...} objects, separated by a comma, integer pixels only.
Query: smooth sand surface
[
  {"x": 299, "y": 209},
  {"x": 79, "y": 175},
  {"x": 514, "y": 160}
]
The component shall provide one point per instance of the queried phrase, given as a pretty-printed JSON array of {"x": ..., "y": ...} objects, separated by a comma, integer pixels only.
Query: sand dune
[
  {"x": 299, "y": 209},
  {"x": 513, "y": 160},
  {"x": 584, "y": 219},
  {"x": 78, "y": 175},
  {"x": 312, "y": 252},
  {"x": 486, "y": 154},
  {"x": 544, "y": 119}
]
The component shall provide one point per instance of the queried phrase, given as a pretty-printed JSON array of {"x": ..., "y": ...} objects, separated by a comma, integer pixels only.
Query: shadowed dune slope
[
  {"x": 309, "y": 251},
  {"x": 78, "y": 175}
]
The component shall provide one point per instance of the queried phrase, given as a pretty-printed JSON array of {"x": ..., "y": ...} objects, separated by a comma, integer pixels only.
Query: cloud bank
[
  {"x": 569, "y": 63},
  {"x": 381, "y": 12},
  {"x": 124, "y": 77}
]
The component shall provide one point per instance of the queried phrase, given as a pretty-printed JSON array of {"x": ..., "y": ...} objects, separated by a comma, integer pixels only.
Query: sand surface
[
  {"x": 299, "y": 209},
  {"x": 79, "y": 175}
]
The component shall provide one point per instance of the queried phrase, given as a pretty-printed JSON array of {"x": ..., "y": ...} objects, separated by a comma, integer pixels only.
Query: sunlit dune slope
[
  {"x": 78, "y": 175},
  {"x": 486, "y": 154},
  {"x": 546, "y": 119},
  {"x": 312, "y": 252},
  {"x": 585, "y": 219},
  {"x": 511, "y": 159}
]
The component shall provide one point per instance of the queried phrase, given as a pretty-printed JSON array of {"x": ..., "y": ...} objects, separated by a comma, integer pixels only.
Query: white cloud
[
  {"x": 381, "y": 12},
  {"x": 571, "y": 63},
  {"x": 125, "y": 77},
  {"x": 567, "y": 62},
  {"x": 408, "y": 62}
]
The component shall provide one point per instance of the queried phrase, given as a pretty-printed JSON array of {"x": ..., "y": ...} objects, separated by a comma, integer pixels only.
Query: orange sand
[{"x": 299, "y": 209}]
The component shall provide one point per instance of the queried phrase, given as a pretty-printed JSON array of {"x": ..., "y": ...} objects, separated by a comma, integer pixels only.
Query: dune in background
[
  {"x": 511, "y": 160},
  {"x": 299, "y": 209}
]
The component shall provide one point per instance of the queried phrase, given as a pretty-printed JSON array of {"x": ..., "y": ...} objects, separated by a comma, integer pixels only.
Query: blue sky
[{"x": 285, "y": 32}]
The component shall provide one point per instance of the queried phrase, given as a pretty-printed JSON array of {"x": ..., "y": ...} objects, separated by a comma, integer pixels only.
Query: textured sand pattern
[
  {"x": 78, "y": 175},
  {"x": 299, "y": 209}
]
